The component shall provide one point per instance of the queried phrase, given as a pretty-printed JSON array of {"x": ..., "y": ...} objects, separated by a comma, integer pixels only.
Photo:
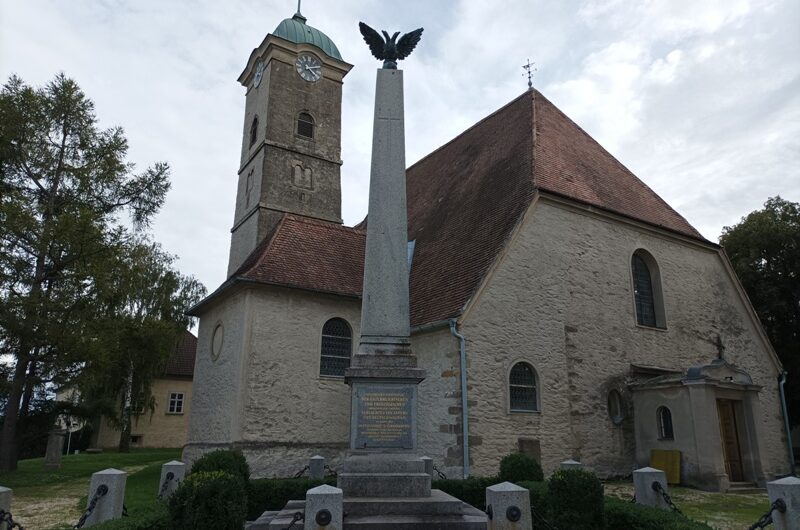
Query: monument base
[{"x": 384, "y": 474}]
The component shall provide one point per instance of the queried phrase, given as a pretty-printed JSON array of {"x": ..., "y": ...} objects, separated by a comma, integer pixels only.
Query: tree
[
  {"x": 764, "y": 249},
  {"x": 65, "y": 186}
]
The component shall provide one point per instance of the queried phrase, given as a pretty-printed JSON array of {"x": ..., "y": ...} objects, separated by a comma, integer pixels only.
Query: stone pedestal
[
  {"x": 108, "y": 506},
  {"x": 510, "y": 507},
  {"x": 787, "y": 489},
  {"x": 316, "y": 467},
  {"x": 172, "y": 474},
  {"x": 643, "y": 487},
  {"x": 323, "y": 509},
  {"x": 428, "y": 463},
  {"x": 571, "y": 464},
  {"x": 55, "y": 449}
]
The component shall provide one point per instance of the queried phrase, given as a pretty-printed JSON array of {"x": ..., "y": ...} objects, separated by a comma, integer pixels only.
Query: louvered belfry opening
[{"x": 337, "y": 345}]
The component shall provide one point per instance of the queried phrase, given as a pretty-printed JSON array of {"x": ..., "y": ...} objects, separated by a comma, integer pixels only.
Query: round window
[
  {"x": 615, "y": 410},
  {"x": 216, "y": 341}
]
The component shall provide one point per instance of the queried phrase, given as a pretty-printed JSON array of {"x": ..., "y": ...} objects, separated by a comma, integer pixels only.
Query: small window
[
  {"x": 615, "y": 410},
  {"x": 522, "y": 388},
  {"x": 305, "y": 125},
  {"x": 664, "y": 424},
  {"x": 254, "y": 131},
  {"x": 175, "y": 403},
  {"x": 337, "y": 344},
  {"x": 136, "y": 439}
]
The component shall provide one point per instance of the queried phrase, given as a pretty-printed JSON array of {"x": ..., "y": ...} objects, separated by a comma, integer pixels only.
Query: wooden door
[{"x": 730, "y": 440}]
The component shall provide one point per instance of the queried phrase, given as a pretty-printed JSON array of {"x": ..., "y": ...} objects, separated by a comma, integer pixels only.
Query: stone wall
[
  {"x": 158, "y": 428},
  {"x": 561, "y": 298}
]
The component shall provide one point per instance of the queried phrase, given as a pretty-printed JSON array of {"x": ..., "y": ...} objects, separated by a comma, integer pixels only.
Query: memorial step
[
  {"x": 365, "y": 462},
  {"x": 439, "y": 503},
  {"x": 385, "y": 484}
]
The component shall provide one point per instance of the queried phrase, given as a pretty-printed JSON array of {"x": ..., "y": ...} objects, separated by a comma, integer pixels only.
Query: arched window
[
  {"x": 522, "y": 388},
  {"x": 253, "y": 131},
  {"x": 664, "y": 424},
  {"x": 647, "y": 290},
  {"x": 337, "y": 340},
  {"x": 615, "y": 409},
  {"x": 305, "y": 125}
]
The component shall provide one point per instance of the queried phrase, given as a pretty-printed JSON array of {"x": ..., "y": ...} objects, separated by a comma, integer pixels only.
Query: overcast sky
[{"x": 700, "y": 99}]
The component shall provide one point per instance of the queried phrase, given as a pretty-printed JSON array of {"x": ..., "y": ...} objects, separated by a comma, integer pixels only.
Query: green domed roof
[{"x": 296, "y": 30}]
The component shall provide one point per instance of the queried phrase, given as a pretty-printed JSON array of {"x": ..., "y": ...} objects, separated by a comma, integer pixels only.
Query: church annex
[{"x": 559, "y": 306}]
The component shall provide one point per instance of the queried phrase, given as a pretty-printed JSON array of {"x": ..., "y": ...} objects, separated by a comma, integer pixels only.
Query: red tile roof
[
  {"x": 464, "y": 199},
  {"x": 181, "y": 363}
]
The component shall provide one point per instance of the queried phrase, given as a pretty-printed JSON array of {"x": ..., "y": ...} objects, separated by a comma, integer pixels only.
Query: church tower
[{"x": 291, "y": 140}]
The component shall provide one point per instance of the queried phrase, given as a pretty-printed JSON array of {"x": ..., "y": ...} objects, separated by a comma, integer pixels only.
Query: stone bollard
[
  {"x": 316, "y": 467},
  {"x": 172, "y": 474},
  {"x": 55, "y": 447},
  {"x": 643, "y": 487},
  {"x": 5, "y": 503},
  {"x": 571, "y": 464},
  {"x": 109, "y": 505},
  {"x": 787, "y": 489},
  {"x": 324, "y": 508},
  {"x": 508, "y": 507},
  {"x": 428, "y": 462}
]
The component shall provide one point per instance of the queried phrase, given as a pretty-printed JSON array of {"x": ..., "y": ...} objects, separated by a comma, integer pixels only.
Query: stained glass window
[
  {"x": 337, "y": 344},
  {"x": 522, "y": 387}
]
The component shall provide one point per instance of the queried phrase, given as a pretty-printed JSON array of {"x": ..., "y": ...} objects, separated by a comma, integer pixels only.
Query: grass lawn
[
  {"x": 719, "y": 510},
  {"x": 55, "y": 499}
]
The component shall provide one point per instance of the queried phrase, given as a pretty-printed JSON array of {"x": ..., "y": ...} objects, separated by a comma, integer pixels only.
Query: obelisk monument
[{"x": 383, "y": 375}]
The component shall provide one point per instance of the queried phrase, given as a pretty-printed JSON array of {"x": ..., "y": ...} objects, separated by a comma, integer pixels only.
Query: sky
[{"x": 700, "y": 99}]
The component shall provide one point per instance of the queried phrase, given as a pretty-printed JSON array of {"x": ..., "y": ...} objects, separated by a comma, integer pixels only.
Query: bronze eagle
[{"x": 389, "y": 49}]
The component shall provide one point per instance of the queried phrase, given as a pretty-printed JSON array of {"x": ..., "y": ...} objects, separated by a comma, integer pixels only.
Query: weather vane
[
  {"x": 530, "y": 69},
  {"x": 389, "y": 49}
]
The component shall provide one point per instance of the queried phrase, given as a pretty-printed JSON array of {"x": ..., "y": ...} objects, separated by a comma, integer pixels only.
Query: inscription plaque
[{"x": 383, "y": 416}]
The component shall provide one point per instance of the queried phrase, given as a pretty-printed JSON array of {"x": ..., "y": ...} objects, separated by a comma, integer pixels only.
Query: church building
[{"x": 559, "y": 306}]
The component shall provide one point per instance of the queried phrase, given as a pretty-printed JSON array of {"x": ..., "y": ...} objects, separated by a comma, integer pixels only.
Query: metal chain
[
  {"x": 633, "y": 499},
  {"x": 539, "y": 517},
  {"x": 440, "y": 473},
  {"x": 300, "y": 473},
  {"x": 766, "y": 519},
  {"x": 298, "y": 516},
  {"x": 10, "y": 524},
  {"x": 167, "y": 479},
  {"x": 657, "y": 487},
  {"x": 101, "y": 491},
  {"x": 331, "y": 471},
  {"x": 124, "y": 510}
]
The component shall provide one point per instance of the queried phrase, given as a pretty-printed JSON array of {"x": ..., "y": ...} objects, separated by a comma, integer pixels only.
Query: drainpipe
[
  {"x": 462, "y": 349},
  {"x": 781, "y": 381}
]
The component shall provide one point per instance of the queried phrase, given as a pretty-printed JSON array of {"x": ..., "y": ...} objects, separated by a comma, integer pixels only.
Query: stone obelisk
[{"x": 383, "y": 376}]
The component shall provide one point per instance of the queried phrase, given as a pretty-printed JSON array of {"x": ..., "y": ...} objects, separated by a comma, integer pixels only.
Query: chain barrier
[
  {"x": 124, "y": 510},
  {"x": 766, "y": 519},
  {"x": 544, "y": 523},
  {"x": 298, "y": 516},
  {"x": 101, "y": 491},
  {"x": 633, "y": 499},
  {"x": 5, "y": 517},
  {"x": 332, "y": 472},
  {"x": 167, "y": 479},
  {"x": 440, "y": 473},
  {"x": 300, "y": 473},
  {"x": 657, "y": 488}
]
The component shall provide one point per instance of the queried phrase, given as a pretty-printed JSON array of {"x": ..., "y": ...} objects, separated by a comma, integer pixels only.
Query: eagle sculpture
[{"x": 389, "y": 49}]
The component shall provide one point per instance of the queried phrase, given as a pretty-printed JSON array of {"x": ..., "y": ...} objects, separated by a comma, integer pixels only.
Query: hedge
[
  {"x": 209, "y": 499},
  {"x": 157, "y": 519},
  {"x": 575, "y": 500},
  {"x": 519, "y": 467},
  {"x": 228, "y": 461},
  {"x": 623, "y": 514},
  {"x": 471, "y": 490}
]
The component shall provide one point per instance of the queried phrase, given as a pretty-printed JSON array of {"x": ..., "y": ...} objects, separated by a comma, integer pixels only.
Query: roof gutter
[
  {"x": 462, "y": 345},
  {"x": 781, "y": 382}
]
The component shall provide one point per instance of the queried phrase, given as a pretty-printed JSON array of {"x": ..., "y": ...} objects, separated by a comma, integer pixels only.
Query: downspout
[
  {"x": 781, "y": 381},
  {"x": 462, "y": 349}
]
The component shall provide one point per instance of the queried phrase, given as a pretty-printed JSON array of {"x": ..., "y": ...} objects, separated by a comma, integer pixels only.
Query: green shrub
[
  {"x": 273, "y": 493},
  {"x": 538, "y": 495},
  {"x": 623, "y": 514},
  {"x": 209, "y": 499},
  {"x": 227, "y": 461},
  {"x": 575, "y": 500},
  {"x": 471, "y": 490},
  {"x": 519, "y": 467}
]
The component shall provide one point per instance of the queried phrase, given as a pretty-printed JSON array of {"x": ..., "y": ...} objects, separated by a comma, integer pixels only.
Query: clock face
[
  {"x": 308, "y": 67},
  {"x": 259, "y": 74}
]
